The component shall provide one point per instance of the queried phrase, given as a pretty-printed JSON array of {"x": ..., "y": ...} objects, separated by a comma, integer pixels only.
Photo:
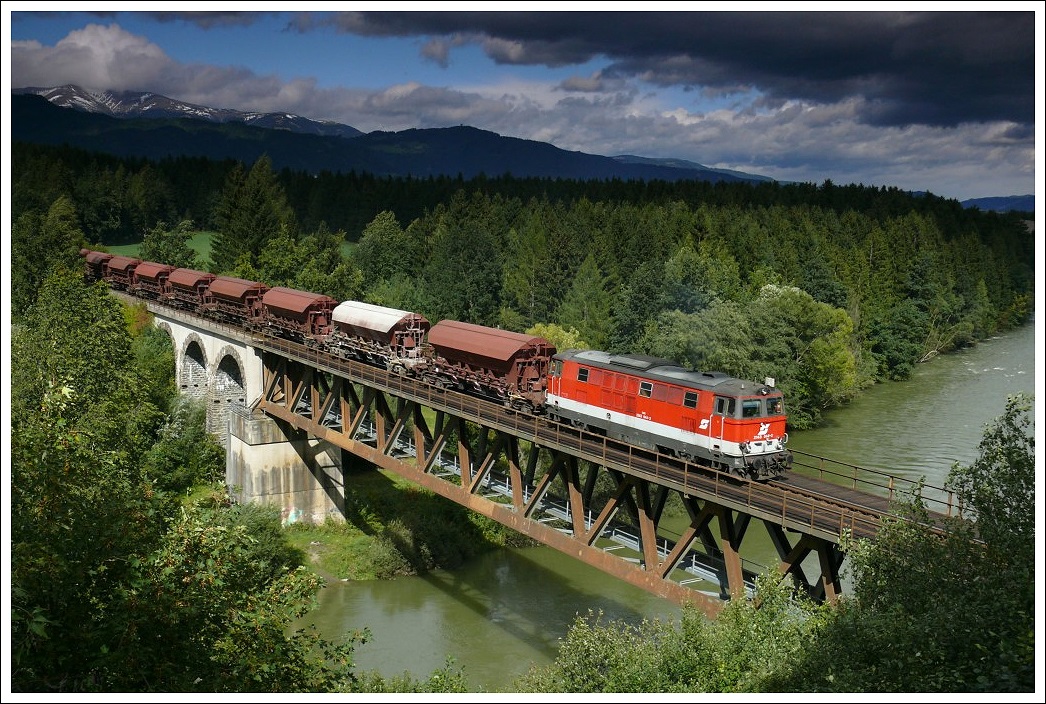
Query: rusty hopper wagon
[
  {"x": 297, "y": 314},
  {"x": 119, "y": 271},
  {"x": 378, "y": 335},
  {"x": 235, "y": 300},
  {"x": 150, "y": 279},
  {"x": 499, "y": 363},
  {"x": 94, "y": 264},
  {"x": 188, "y": 288}
]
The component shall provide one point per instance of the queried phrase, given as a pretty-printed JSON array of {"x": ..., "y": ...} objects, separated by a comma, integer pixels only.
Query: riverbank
[{"x": 393, "y": 528}]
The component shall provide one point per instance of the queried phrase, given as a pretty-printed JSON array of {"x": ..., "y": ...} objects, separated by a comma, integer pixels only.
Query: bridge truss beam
[{"x": 604, "y": 515}]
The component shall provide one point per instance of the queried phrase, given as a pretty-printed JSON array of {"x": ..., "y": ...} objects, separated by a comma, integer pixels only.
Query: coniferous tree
[
  {"x": 586, "y": 307},
  {"x": 253, "y": 209},
  {"x": 39, "y": 242}
]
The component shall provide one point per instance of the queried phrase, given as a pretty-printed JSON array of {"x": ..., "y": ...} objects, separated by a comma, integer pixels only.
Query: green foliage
[
  {"x": 530, "y": 265},
  {"x": 561, "y": 339},
  {"x": 942, "y": 611},
  {"x": 184, "y": 453},
  {"x": 586, "y": 306},
  {"x": 999, "y": 487},
  {"x": 74, "y": 336},
  {"x": 215, "y": 587},
  {"x": 463, "y": 272},
  {"x": 385, "y": 250},
  {"x": 39, "y": 243},
  {"x": 117, "y": 587},
  {"x": 170, "y": 246},
  {"x": 81, "y": 510},
  {"x": 307, "y": 263},
  {"x": 737, "y": 652},
  {"x": 449, "y": 679},
  {"x": 153, "y": 356}
]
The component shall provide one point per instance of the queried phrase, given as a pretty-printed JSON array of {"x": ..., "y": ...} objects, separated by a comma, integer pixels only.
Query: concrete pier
[{"x": 269, "y": 462}]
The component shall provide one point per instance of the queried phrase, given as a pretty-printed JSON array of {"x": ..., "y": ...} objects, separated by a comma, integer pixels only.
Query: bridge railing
[
  {"x": 782, "y": 505},
  {"x": 935, "y": 498}
]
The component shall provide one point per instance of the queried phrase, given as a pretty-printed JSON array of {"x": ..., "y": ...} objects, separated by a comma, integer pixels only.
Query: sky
[{"x": 924, "y": 101}]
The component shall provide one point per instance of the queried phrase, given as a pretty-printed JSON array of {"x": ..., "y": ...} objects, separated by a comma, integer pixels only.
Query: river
[{"x": 504, "y": 612}]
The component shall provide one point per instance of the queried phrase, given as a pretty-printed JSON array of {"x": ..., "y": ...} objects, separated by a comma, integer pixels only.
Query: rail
[
  {"x": 807, "y": 507},
  {"x": 797, "y": 508}
]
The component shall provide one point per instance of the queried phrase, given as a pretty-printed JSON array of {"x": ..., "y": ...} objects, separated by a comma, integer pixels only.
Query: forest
[
  {"x": 827, "y": 289},
  {"x": 131, "y": 571}
]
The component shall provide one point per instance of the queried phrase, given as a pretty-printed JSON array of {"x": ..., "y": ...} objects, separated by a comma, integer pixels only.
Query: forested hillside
[{"x": 825, "y": 288}]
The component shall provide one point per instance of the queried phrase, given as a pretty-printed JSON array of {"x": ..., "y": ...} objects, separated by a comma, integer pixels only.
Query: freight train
[{"x": 710, "y": 418}]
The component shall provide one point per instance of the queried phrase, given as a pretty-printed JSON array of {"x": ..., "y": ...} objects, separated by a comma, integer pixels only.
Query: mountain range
[{"x": 153, "y": 126}]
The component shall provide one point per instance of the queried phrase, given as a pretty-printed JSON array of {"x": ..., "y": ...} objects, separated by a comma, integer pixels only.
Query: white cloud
[{"x": 97, "y": 56}]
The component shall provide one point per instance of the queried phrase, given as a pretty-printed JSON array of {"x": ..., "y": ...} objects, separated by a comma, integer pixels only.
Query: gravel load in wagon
[
  {"x": 481, "y": 347},
  {"x": 230, "y": 289},
  {"x": 152, "y": 272},
  {"x": 296, "y": 305},
  {"x": 377, "y": 323}
]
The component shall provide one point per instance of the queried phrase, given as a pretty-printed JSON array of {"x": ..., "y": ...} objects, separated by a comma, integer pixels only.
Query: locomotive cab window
[
  {"x": 582, "y": 374},
  {"x": 751, "y": 408},
  {"x": 725, "y": 406},
  {"x": 557, "y": 368},
  {"x": 773, "y": 407},
  {"x": 690, "y": 399},
  {"x": 645, "y": 389}
]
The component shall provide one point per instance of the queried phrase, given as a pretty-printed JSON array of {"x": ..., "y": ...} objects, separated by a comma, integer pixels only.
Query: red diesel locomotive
[{"x": 709, "y": 418}]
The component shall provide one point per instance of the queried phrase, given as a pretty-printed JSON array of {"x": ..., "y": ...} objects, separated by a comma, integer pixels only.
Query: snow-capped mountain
[{"x": 132, "y": 104}]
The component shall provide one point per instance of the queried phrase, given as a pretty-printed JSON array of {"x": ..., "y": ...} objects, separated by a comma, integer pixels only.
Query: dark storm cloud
[
  {"x": 208, "y": 20},
  {"x": 932, "y": 68}
]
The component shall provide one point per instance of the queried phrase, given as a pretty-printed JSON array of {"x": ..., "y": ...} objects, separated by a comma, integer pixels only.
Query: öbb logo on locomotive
[{"x": 708, "y": 418}]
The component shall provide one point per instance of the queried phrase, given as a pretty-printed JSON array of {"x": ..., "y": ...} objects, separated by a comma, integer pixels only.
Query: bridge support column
[{"x": 270, "y": 462}]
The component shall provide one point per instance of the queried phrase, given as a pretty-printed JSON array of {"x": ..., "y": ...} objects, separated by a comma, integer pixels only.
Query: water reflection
[{"x": 497, "y": 616}]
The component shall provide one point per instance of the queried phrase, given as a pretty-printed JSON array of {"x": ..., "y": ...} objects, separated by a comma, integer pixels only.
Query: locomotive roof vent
[{"x": 640, "y": 361}]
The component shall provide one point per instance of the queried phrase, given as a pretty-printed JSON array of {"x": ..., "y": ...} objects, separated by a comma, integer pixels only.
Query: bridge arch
[
  {"x": 228, "y": 390},
  {"x": 192, "y": 367}
]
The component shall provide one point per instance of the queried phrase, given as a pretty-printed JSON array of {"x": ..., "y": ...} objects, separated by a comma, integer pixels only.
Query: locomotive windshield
[{"x": 750, "y": 407}]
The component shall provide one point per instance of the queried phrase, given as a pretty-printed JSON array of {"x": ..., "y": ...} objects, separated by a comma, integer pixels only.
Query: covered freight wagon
[
  {"x": 510, "y": 366},
  {"x": 188, "y": 288},
  {"x": 94, "y": 264},
  {"x": 379, "y": 335}
]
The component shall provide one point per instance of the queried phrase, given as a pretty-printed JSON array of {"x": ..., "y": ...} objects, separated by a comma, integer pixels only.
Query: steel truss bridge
[
  {"x": 594, "y": 498},
  {"x": 591, "y": 497}
]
